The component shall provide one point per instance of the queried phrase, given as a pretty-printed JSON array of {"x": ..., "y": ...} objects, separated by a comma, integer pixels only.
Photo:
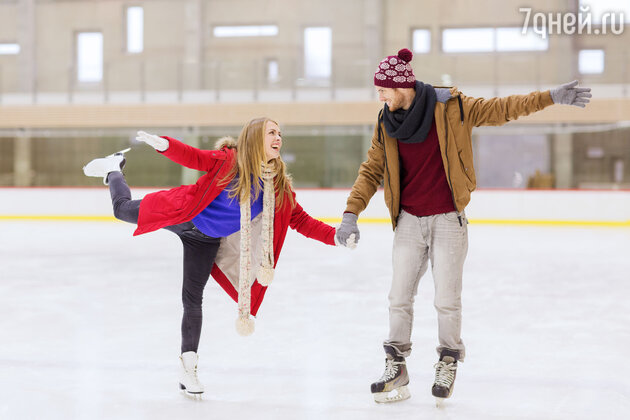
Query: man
[{"x": 422, "y": 151}]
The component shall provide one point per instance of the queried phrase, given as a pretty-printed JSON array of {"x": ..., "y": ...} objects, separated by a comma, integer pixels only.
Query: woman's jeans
[{"x": 199, "y": 254}]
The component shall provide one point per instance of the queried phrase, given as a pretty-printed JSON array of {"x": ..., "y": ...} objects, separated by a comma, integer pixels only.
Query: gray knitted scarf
[{"x": 412, "y": 125}]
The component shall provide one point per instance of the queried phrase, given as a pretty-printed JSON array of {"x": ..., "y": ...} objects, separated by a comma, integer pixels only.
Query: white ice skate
[
  {"x": 103, "y": 166},
  {"x": 188, "y": 380}
]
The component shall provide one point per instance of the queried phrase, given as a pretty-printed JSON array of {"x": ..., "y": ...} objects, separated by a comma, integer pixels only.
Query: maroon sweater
[{"x": 424, "y": 190}]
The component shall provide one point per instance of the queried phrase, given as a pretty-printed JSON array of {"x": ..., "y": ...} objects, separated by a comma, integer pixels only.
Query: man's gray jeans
[{"x": 442, "y": 240}]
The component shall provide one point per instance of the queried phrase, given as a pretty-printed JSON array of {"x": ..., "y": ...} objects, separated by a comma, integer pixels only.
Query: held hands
[
  {"x": 350, "y": 242},
  {"x": 348, "y": 233},
  {"x": 570, "y": 94},
  {"x": 158, "y": 143}
]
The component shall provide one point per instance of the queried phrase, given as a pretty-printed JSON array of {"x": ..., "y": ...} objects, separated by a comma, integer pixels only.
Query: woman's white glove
[{"x": 158, "y": 143}]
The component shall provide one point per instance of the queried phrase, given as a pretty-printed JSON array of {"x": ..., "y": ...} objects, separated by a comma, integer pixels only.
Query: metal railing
[{"x": 161, "y": 79}]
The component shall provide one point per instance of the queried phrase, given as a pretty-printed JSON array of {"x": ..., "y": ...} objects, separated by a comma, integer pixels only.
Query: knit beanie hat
[{"x": 395, "y": 71}]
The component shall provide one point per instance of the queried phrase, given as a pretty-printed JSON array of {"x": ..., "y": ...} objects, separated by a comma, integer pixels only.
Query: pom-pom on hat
[{"x": 395, "y": 71}]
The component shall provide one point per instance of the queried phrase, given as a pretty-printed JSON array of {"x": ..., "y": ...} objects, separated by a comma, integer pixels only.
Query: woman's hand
[{"x": 158, "y": 143}]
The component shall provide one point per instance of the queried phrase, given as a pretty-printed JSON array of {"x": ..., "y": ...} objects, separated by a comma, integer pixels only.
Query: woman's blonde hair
[{"x": 250, "y": 156}]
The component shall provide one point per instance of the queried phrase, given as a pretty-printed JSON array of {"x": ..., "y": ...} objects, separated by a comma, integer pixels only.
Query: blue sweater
[{"x": 222, "y": 217}]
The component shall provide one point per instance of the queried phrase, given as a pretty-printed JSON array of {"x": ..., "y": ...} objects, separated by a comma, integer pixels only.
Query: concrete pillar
[
  {"x": 191, "y": 137},
  {"x": 374, "y": 36},
  {"x": 26, "y": 38},
  {"x": 22, "y": 170},
  {"x": 368, "y": 131},
  {"x": 192, "y": 67},
  {"x": 562, "y": 160}
]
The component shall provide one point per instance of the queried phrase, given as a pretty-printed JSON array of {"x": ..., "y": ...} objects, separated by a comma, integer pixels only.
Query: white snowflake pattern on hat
[{"x": 395, "y": 71}]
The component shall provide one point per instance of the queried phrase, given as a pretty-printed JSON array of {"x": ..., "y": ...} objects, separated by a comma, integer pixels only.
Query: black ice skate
[
  {"x": 445, "y": 371},
  {"x": 103, "y": 166},
  {"x": 392, "y": 386}
]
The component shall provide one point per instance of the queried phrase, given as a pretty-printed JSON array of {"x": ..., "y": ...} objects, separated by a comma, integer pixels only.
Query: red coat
[{"x": 182, "y": 204}]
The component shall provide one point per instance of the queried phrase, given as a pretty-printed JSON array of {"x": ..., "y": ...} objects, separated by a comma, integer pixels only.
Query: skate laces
[
  {"x": 195, "y": 378},
  {"x": 445, "y": 373},
  {"x": 391, "y": 369},
  {"x": 192, "y": 375}
]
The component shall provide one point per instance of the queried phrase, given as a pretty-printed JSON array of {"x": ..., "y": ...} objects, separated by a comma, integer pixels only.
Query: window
[
  {"x": 273, "y": 74},
  {"x": 591, "y": 61},
  {"x": 135, "y": 30},
  {"x": 513, "y": 39},
  {"x": 421, "y": 41},
  {"x": 492, "y": 40},
  {"x": 468, "y": 40},
  {"x": 599, "y": 7},
  {"x": 90, "y": 57},
  {"x": 9, "y": 49},
  {"x": 244, "y": 31},
  {"x": 317, "y": 52}
]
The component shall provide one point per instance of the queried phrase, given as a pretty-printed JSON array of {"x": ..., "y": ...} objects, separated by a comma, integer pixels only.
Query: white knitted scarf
[{"x": 244, "y": 324}]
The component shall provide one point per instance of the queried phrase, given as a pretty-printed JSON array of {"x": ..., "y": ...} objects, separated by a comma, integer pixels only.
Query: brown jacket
[{"x": 455, "y": 117}]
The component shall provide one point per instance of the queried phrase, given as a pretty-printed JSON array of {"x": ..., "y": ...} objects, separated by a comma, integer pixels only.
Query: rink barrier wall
[{"x": 606, "y": 208}]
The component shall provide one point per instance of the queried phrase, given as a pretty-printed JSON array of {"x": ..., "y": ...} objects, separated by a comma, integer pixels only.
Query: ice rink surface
[{"x": 90, "y": 328}]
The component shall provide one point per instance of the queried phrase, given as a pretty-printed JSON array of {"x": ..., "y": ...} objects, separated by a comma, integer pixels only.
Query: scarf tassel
[
  {"x": 244, "y": 326},
  {"x": 265, "y": 276}
]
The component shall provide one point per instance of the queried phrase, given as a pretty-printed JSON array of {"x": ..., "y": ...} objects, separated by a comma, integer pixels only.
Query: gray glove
[
  {"x": 348, "y": 233},
  {"x": 569, "y": 94}
]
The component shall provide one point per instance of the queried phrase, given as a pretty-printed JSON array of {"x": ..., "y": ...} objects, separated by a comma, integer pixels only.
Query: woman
[{"x": 232, "y": 222}]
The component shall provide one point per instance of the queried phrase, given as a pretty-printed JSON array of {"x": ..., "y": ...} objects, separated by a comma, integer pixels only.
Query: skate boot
[
  {"x": 103, "y": 166},
  {"x": 392, "y": 386},
  {"x": 188, "y": 380},
  {"x": 445, "y": 371}
]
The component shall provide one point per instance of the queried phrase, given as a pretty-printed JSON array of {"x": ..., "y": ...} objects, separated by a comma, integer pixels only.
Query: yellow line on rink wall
[
  {"x": 332, "y": 220},
  {"x": 367, "y": 220},
  {"x": 597, "y": 223}
]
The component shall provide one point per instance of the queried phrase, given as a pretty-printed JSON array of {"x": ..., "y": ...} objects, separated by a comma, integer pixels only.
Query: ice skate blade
[
  {"x": 195, "y": 396},
  {"x": 122, "y": 152},
  {"x": 395, "y": 395},
  {"x": 439, "y": 402}
]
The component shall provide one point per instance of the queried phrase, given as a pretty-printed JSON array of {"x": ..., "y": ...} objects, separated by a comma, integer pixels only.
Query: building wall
[
  {"x": 180, "y": 48},
  {"x": 45, "y": 145}
]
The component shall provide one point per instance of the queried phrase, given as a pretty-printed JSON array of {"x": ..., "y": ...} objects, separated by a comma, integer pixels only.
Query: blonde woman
[{"x": 232, "y": 222}]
